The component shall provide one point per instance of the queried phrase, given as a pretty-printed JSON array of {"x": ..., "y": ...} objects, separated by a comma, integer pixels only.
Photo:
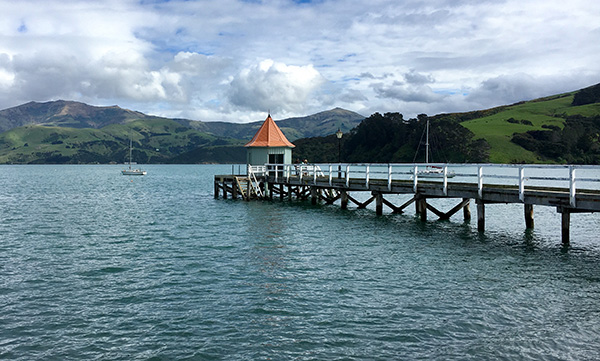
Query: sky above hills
[{"x": 234, "y": 60}]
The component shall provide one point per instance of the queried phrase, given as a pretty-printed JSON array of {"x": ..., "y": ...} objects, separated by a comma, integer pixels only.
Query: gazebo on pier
[{"x": 269, "y": 145}]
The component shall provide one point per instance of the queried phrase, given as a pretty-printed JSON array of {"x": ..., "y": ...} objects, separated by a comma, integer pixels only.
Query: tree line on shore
[
  {"x": 564, "y": 128},
  {"x": 389, "y": 138}
]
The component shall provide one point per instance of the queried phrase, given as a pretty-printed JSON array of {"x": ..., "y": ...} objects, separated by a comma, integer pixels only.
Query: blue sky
[{"x": 233, "y": 60}]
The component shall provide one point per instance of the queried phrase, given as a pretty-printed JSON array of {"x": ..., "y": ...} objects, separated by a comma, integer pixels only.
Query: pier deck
[{"x": 554, "y": 186}]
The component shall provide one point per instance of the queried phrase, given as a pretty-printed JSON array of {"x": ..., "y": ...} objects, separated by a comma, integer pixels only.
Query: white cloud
[
  {"x": 407, "y": 93},
  {"x": 277, "y": 86},
  {"x": 413, "y": 77},
  {"x": 508, "y": 89},
  {"x": 205, "y": 60}
]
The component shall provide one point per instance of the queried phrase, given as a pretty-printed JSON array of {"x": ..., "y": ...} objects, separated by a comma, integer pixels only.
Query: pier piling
[
  {"x": 480, "y": 216},
  {"x": 344, "y": 199},
  {"x": 379, "y": 204},
  {"x": 312, "y": 181},
  {"x": 528, "y": 216},
  {"x": 467, "y": 209},
  {"x": 565, "y": 226}
]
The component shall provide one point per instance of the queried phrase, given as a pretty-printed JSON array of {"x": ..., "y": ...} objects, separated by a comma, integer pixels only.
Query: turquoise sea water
[{"x": 99, "y": 266}]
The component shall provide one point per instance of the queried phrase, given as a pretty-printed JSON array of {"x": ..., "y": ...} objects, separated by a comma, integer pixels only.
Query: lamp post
[{"x": 339, "y": 135}]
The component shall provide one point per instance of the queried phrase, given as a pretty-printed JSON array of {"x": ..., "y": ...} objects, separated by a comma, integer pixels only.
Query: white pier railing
[{"x": 569, "y": 177}]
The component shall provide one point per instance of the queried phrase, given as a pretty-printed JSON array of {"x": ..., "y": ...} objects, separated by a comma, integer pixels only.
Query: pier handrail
[
  {"x": 520, "y": 175},
  {"x": 258, "y": 170},
  {"x": 253, "y": 172},
  {"x": 570, "y": 188}
]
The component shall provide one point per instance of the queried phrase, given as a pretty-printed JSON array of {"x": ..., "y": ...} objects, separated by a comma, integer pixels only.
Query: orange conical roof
[{"x": 269, "y": 135}]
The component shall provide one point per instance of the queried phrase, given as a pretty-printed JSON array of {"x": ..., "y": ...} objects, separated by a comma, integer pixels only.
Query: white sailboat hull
[
  {"x": 133, "y": 172},
  {"x": 426, "y": 174},
  {"x": 434, "y": 173}
]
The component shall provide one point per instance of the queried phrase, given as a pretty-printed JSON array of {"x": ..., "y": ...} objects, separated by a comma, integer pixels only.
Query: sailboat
[
  {"x": 131, "y": 171},
  {"x": 431, "y": 171}
]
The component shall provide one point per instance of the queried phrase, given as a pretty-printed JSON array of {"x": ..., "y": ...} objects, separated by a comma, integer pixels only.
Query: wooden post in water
[
  {"x": 480, "y": 216},
  {"x": 565, "y": 227},
  {"x": 344, "y": 199},
  {"x": 417, "y": 205},
  {"x": 378, "y": 203},
  {"x": 421, "y": 206},
  {"x": 528, "y": 216},
  {"x": 467, "y": 210},
  {"x": 248, "y": 189},
  {"x": 320, "y": 188}
]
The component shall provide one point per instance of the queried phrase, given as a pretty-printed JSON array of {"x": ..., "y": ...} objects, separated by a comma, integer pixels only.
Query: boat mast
[
  {"x": 427, "y": 142},
  {"x": 130, "y": 146}
]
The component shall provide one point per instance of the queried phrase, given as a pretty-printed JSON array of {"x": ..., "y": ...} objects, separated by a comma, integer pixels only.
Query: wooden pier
[{"x": 553, "y": 186}]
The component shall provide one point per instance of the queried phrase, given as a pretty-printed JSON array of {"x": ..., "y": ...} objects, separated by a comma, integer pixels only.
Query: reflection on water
[{"x": 95, "y": 266}]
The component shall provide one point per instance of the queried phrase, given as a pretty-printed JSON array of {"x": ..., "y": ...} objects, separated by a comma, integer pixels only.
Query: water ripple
[{"x": 99, "y": 266}]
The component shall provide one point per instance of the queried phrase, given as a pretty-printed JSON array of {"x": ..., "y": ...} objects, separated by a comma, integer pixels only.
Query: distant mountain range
[
  {"x": 62, "y": 113},
  {"x": 562, "y": 128},
  {"x": 72, "y": 132},
  {"x": 316, "y": 125}
]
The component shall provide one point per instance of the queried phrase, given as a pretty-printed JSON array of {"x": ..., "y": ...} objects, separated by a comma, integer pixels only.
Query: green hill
[
  {"x": 65, "y": 114},
  {"x": 545, "y": 114},
  {"x": 73, "y": 132},
  {"x": 155, "y": 140},
  {"x": 563, "y": 128}
]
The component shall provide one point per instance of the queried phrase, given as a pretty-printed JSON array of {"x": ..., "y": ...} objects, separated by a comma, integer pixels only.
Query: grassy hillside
[
  {"x": 541, "y": 114},
  {"x": 155, "y": 140},
  {"x": 554, "y": 129},
  {"x": 64, "y": 114},
  {"x": 560, "y": 128},
  {"x": 27, "y": 144},
  {"x": 73, "y": 132}
]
